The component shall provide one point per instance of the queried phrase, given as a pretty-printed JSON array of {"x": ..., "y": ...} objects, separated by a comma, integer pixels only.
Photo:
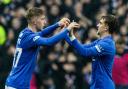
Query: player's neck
[
  {"x": 104, "y": 34},
  {"x": 32, "y": 28}
]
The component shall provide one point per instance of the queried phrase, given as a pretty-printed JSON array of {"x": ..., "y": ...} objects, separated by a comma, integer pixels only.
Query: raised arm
[
  {"x": 51, "y": 40},
  {"x": 68, "y": 40},
  {"x": 50, "y": 29},
  {"x": 98, "y": 49},
  {"x": 35, "y": 40}
]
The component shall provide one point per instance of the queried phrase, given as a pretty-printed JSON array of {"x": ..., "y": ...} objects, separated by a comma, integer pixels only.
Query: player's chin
[{"x": 41, "y": 27}]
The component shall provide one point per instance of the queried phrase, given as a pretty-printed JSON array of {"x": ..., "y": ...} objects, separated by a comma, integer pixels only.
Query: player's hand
[
  {"x": 64, "y": 22},
  {"x": 73, "y": 26}
]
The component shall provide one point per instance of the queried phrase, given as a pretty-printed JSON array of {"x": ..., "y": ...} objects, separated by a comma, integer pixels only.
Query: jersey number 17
[{"x": 17, "y": 55}]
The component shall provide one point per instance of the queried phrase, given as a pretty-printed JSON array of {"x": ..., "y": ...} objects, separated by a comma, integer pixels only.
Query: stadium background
[{"x": 58, "y": 66}]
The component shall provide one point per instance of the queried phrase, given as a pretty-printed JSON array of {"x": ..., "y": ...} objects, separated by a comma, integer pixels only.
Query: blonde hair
[{"x": 33, "y": 12}]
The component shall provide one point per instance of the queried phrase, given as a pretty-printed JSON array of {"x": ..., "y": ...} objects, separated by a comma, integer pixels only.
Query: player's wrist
[
  {"x": 58, "y": 24},
  {"x": 69, "y": 30},
  {"x": 72, "y": 37},
  {"x": 61, "y": 24}
]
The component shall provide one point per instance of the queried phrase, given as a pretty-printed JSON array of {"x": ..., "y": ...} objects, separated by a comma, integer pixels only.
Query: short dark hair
[
  {"x": 112, "y": 22},
  {"x": 33, "y": 12}
]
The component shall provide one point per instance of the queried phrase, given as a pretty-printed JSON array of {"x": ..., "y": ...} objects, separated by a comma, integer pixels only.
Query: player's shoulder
[
  {"x": 25, "y": 32},
  {"x": 27, "y": 35},
  {"x": 107, "y": 43},
  {"x": 23, "y": 36},
  {"x": 105, "y": 46},
  {"x": 108, "y": 40}
]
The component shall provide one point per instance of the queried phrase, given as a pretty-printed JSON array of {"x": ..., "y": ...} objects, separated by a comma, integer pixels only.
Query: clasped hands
[{"x": 71, "y": 26}]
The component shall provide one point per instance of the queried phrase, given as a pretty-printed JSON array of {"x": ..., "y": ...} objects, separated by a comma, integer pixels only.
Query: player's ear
[
  {"x": 34, "y": 21},
  {"x": 106, "y": 27}
]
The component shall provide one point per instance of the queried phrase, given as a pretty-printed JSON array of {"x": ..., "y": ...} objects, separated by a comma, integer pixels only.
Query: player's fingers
[
  {"x": 65, "y": 20},
  {"x": 67, "y": 24},
  {"x": 75, "y": 23},
  {"x": 68, "y": 20},
  {"x": 76, "y": 26}
]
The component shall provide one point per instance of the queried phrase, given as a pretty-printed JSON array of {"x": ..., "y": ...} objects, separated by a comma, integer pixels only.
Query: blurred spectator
[
  {"x": 2, "y": 35},
  {"x": 33, "y": 82},
  {"x": 87, "y": 70},
  {"x": 120, "y": 67}
]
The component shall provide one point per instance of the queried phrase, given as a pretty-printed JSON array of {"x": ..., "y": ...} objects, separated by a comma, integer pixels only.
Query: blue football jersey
[
  {"x": 102, "y": 52},
  {"x": 25, "y": 56}
]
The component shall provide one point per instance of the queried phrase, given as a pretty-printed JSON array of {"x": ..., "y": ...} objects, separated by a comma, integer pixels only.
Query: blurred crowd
[{"x": 58, "y": 66}]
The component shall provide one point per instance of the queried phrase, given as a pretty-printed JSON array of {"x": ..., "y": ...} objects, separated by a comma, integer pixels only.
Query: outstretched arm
[
  {"x": 71, "y": 37},
  {"x": 51, "y": 40},
  {"x": 68, "y": 40},
  {"x": 48, "y": 29},
  {"x": 36, "y": 40},
  {"x": 63, "y": 22},
  {"x": 98, "y": 49},
  {"x": 83, "y": 50},
  {"x": 94, "y": 49}
]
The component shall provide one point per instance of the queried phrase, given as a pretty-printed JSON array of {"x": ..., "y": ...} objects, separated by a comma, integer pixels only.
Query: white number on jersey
[{"x": 17, "y": 55}]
